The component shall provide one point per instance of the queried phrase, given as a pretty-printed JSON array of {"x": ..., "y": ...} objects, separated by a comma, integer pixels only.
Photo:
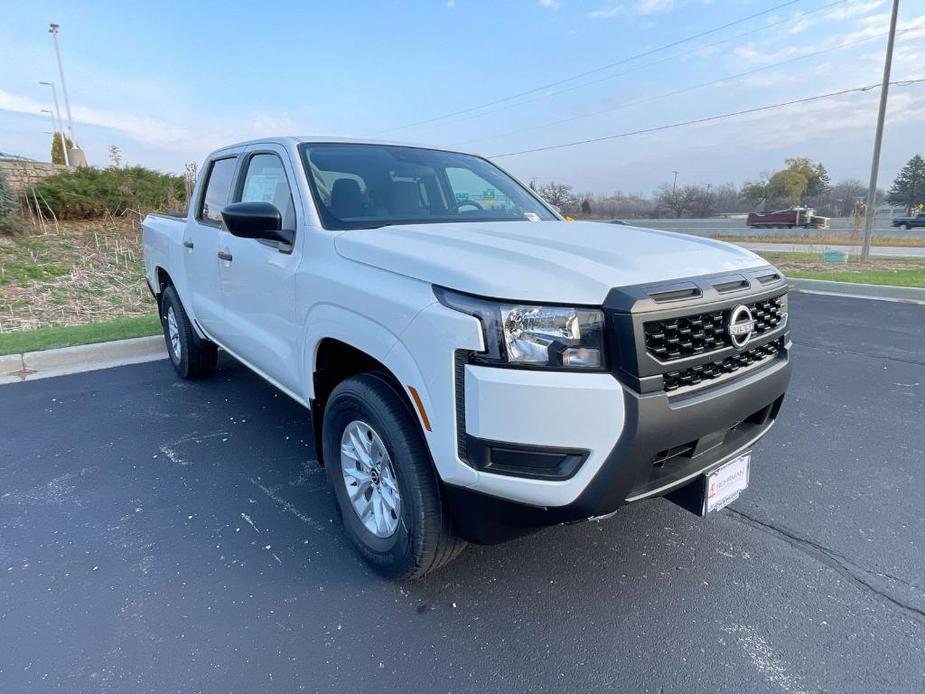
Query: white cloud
[
  {"x": 654, "y": 6},
  {"x": 854, "y": 9},
  {"x": 768, "y": 79},
  {"x": 801, "y": 25},
  {"x": 606, "y": 12},
  {"x": 550, "y": 3},
  {"x": 140, "y": 128},
  {"x": 835, "y": 117},
  {"x": 153, "y": 132},
  {"x": 641, "y": 8},
  {"x": 867, "y": 28}
]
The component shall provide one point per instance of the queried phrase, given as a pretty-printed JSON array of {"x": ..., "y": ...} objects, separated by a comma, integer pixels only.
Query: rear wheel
[
  {"x": 384, "y": 482},
  {"x": 191, "y": 356}
]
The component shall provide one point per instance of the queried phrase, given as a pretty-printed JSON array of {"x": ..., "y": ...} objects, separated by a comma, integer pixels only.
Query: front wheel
[{"x": 384, "y": 482}]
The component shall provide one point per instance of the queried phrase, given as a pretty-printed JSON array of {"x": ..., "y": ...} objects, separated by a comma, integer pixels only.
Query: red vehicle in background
[{"x": 804, "y": 217}]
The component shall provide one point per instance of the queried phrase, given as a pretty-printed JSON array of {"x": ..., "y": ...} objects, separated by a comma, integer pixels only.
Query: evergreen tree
[
  {"x": 9, "y": 205},
  {"x": 908, "y": 189},
  {"x": 57, "y": 149}
]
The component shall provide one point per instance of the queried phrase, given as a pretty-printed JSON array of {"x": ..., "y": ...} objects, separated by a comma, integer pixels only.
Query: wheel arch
[
  {"x": 368, "y": 348},
  {"x": 162, "y": 280}
]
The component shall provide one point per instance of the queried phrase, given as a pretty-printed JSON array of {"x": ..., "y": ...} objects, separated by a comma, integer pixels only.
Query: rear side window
[
  {"x": 221, "y": 174},
  {"x": 265, "y": 181}
]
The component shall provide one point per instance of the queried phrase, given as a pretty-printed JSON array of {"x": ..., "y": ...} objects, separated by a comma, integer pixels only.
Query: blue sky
[{"x": 167, "y": 82}]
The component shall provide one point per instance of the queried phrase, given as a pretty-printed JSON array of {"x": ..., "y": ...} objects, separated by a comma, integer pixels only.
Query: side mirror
[{"x": 256, "y": 220}]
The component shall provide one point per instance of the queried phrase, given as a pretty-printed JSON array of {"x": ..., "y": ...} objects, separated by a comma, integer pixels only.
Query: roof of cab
[{"x": 298, "y": 139}]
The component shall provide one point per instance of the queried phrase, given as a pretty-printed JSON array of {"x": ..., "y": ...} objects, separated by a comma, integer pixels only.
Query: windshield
[{"x": 360, "y": 186}]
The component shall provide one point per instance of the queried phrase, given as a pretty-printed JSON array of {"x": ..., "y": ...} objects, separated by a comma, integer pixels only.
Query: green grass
[
  {"x": 897, "y": 272},
  {"x": 21, "y": 273},
  {"x": 896, "y": 278},
  {"x": 50, "y": 338}
]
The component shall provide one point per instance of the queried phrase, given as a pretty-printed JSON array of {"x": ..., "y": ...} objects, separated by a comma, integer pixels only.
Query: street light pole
[
  {"x": 53, "y": 30},
  {"x": 54, "y": 128},
  {"x": 54, "y": 93},
  {"x": 878, "y": 138}
]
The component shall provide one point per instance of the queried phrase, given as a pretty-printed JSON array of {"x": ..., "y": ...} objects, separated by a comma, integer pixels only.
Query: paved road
[
  {"x": 164, "y": 536},
  {"x": 879, "y": 251},
  {"x": 839, "y": 226}
]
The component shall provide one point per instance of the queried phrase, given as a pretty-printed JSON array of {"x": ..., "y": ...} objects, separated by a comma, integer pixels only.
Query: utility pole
[
  {"x": 869, "y": 211},
  {"x": 54, "y": 93},
  {"x": 674, "y": 186}
]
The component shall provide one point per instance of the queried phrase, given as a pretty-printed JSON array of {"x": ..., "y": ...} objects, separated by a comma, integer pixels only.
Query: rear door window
[{"x": 218, "y": 185}]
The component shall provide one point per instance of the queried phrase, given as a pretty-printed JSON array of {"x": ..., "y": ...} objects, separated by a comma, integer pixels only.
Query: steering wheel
[{"x": 474, "y": 204}]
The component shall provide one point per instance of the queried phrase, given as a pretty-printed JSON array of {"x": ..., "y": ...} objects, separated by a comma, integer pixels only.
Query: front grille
[
  {"x": 686, "y": 336},
  {"x": 714, "y": 369}
]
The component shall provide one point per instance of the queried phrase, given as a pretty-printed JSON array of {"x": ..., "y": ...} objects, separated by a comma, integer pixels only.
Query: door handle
[
  {"x": 188, "y": 244},
  {"x": 225, "y": 256}
]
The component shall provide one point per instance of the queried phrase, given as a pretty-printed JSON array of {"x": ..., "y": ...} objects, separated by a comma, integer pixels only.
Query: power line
[
  {"x": 596, "y": 69},
  {"x": 683, "y": 90},
  {"x": 697, "y": 121},
  {"x": 437, "y": 122}
]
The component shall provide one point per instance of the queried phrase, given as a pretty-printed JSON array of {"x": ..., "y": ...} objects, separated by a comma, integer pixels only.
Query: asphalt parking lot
[{"x": 165, "y": 536}]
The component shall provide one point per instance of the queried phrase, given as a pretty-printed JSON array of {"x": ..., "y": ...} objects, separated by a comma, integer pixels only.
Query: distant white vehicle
[{"x": 476, "y": 367}]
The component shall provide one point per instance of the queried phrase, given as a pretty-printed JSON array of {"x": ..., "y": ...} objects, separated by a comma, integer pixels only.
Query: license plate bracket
[
  {"x": 723, "y": 485},
  {"x": 728, "y": 481}
]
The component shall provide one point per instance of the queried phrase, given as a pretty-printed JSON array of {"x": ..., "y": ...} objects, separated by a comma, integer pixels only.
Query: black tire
[
  {"x": 423, "y": 539},
  {"x": 192, "y": 357}
]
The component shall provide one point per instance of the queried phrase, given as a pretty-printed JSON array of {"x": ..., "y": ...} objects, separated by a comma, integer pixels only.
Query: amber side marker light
[{"x": 420, "y": 406}]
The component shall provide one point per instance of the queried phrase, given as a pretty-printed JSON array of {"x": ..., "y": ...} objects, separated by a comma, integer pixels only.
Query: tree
[
  {"x": 908, "y": 188},
  {"x": 9, "y": 206},
  {"x": 842, "y": 198},
  {"x": 115, "y": 156},
  {"x": 693, "y": 201},
  {"x": 58, "y": 142},
  {"x": 817, "y": 178},
  {"x": 786, "y": 188},
  {"x": 802, "y": 179},
  {"x": 586, "y": 206},
  {"x": 755, "y": 192},
  {"x": 557, "y": 194},
  {"x": 726, "y": 198},
  {"x": 621, "y": 205},
  {"x": 671, "y": 198}
]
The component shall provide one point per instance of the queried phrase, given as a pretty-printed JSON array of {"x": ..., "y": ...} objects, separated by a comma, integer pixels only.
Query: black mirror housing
[{"x": 256, "y": 220}]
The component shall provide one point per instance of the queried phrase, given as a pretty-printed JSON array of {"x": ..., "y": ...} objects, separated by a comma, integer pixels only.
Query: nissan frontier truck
[{"x": 476, "y": 366}]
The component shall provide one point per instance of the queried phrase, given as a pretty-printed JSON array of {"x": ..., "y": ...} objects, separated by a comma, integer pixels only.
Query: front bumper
[{"x": 663, "y": 441}]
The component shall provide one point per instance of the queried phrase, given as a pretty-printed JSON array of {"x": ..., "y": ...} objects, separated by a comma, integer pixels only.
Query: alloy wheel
[{"x": 370, "y": 479}]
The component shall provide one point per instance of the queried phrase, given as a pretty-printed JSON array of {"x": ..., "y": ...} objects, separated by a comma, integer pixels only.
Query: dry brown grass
[{"x": 85, "y": 272}]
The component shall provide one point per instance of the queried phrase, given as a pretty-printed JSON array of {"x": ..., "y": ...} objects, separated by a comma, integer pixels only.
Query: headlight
[{"x": 529, "y": 335}]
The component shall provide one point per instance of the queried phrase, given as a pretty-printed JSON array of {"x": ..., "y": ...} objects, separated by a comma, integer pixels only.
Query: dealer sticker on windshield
[{"x": 724, "y": 484}]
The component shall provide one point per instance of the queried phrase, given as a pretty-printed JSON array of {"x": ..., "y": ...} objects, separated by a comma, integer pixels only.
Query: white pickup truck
[{"x": 476, "y": 367}]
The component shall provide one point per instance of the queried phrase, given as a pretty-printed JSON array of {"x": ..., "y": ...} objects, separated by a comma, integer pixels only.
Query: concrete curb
[
  {"x": 68, "y": 360},
  {"x": 879, "y": 292}
]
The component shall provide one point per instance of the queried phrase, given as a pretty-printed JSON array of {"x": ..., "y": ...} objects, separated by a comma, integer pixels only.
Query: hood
[{"x": 562, "y": 262}]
